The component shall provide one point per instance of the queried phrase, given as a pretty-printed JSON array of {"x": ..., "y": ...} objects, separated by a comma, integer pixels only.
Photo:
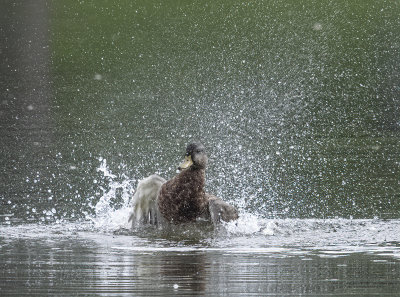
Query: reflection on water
[{"x": 67, "y": 260}]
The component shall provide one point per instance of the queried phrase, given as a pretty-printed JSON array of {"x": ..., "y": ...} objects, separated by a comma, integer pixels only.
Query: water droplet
[
  {"x": 317, "y": 26},
  {"x": 98, "y": 76}
]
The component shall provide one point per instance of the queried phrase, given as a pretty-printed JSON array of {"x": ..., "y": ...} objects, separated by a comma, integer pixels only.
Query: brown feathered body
[{"x": 182, "y": 198}]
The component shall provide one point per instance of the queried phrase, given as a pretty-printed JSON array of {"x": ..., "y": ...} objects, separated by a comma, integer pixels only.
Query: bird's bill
[{"x": 186, "y": 163}]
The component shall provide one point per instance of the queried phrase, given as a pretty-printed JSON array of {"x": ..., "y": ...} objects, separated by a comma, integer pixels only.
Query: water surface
[{"x": 283, "y": 258}]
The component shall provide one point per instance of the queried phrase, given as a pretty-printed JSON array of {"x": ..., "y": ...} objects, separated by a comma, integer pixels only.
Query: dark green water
[{"x": 297, "y": 103}]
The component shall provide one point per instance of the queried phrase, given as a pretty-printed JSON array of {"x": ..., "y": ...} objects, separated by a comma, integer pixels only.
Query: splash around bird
[{"x": 181, "y": 199}]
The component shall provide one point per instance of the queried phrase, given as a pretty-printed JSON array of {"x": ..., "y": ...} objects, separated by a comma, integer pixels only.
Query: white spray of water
[
  {"x": 251, "y": 231},
  {"x": 250, "y": 224},
  {"x": 108, "y": 217}
]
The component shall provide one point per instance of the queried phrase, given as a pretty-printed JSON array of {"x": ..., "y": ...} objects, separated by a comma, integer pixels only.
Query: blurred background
[{"x": 297, "y": 103}]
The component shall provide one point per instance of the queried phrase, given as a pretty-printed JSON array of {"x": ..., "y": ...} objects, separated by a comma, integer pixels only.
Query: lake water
[
  {"x": 282, "y": 258},
  {"x": 297, "y": 103}
]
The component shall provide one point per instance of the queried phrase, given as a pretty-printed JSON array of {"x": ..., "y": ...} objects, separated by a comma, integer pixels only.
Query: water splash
[
  {"x": 247, "y": 224},
  {"x": 108, "y": 215},
  {"x": 250, "y": 230}
]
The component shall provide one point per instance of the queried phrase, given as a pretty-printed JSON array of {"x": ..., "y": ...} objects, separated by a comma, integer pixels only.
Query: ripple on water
[
  {"x": 319, "y": 256},
  {"x": 250, "y": 234}
]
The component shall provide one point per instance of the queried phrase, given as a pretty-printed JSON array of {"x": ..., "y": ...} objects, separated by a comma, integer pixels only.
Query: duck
[{"x": 182, "y": 199}]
